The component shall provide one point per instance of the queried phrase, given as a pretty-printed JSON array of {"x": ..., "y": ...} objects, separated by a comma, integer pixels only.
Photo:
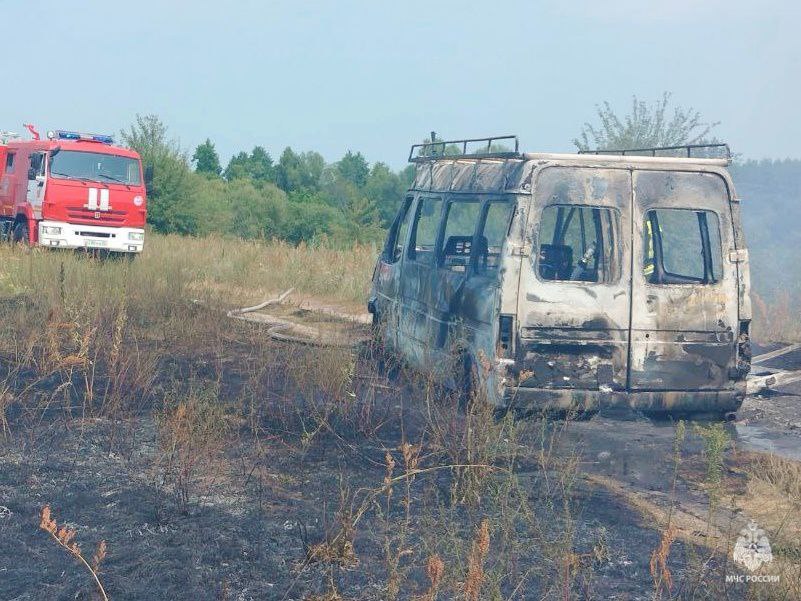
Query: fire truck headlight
[
  {"x": 51, "y": 230},
  {"x": 136, "y": 236}
]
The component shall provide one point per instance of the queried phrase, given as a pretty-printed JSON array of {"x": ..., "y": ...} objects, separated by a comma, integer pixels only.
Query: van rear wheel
[{"x": 473, "y": 393}]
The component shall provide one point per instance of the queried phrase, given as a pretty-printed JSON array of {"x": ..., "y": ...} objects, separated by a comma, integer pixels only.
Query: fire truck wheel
[{"x": 21, "y": 233}]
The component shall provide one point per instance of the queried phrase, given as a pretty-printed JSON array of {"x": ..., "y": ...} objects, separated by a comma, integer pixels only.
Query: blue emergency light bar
[{"x": 74, "y": 135}]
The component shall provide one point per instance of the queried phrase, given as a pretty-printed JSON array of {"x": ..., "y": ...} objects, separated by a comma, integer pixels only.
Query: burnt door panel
[
  {"x": 455, "y": 260},
  {"x": 417, "y": 282},
  {"x": 479, "y": 307},
  {"x": 574, "y": 296},
  {"x": 387, "y": 278},
  {"x": 684, "y": 296}
]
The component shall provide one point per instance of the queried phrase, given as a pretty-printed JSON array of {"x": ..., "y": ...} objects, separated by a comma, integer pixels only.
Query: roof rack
[
  {"x": 434, "y": 150},
  {"x": 688, "y": 148}
]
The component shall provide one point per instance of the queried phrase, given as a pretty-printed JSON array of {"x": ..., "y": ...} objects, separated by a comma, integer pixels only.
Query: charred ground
[{"x": 218, "y": 463}]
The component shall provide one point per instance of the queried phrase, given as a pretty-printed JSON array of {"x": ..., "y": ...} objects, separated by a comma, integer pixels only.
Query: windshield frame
[{"x": 97, "y": 178}]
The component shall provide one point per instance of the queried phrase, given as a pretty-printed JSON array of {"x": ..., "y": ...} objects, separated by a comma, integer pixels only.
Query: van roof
[
  {"x": 495, "y": 175},
  {"x": 495, "y": 167}
]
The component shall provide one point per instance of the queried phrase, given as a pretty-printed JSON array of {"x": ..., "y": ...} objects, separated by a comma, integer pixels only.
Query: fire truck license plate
[{"x": 96, "y": 243}]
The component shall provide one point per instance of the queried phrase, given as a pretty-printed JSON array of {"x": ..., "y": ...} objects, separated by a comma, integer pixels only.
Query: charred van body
[{"x": 571, "y": 281}]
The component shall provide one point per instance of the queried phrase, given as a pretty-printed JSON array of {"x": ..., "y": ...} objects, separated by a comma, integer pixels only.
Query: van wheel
[
  {"x": 472, "y": 393},
  {"x": 386, "y": 364},
  {"x": 20, "y": 234},
  {"x": 465, "y": 384}
]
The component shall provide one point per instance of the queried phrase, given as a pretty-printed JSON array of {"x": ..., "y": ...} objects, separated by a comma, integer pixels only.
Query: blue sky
[{"x": 377, "y": 76}]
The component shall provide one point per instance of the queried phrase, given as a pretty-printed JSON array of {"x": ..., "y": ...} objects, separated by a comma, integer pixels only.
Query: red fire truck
[{"x": 72, "y": 190}]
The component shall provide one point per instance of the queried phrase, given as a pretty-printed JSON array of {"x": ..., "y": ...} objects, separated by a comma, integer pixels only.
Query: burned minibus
[{"x": 570, "y": 282}]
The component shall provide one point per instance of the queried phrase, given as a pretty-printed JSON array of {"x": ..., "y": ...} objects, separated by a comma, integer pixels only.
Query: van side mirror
[
  {"x": 31, "y": 174},
  {"x": 148, "y": 175}
]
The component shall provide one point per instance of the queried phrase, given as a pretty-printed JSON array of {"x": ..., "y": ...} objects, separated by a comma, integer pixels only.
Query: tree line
[
  {"x": 301, "y": 198},
  {"x": 298, "y": 198}
]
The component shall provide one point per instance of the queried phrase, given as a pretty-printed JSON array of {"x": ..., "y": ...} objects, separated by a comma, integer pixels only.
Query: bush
[{"x": 256, "y": 213}]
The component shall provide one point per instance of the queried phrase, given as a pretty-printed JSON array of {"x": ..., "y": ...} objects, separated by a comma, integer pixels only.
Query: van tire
[
  {"x": 465, "y": 387},
  {"x": 386, "y": 364}
]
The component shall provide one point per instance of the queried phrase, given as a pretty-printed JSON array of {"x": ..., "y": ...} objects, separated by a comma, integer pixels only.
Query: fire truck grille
[{"x": 85, "y": 216}]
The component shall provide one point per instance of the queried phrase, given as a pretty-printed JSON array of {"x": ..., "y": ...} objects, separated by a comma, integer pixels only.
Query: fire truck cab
[{"x": 72, "y": 190}]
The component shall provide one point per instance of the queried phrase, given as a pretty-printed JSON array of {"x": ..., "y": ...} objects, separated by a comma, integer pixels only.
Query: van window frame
[
  {"x": 410, "y": 252},
  {"x": 706, "y": 247},
  {"x": 618, "y": 223},
  {"x": 485, "y": 200},
  {"x": 392, "y": 238},
  {"x": 508, "y": 199},
  {"x": 451, "y": 200}
]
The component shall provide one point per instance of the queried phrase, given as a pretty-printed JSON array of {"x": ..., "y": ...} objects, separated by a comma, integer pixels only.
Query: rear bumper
[
  {"x": 58, "y": 234},
  {"x": 663, "y": 401}
]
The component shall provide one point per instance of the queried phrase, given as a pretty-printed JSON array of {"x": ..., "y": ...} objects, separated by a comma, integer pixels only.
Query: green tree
[
  {"x": 386, "y": 189},
  {"x": 206, "y": 159},
  {"x": 170, "y": 200},
  {"x": 261, "y": 165},
  {"x": 210, "y": 205},
  {"x": 362, "y": 222},
  {"x": 238, "y": 167},
  {"x": 354, "y": 168},
  {"x": 256, "y": 212},
  {"x": 258, "y": 166},
  {"x": 644, "y": 126},
  {"x": 298, "y": 171},
  {"x": 312, "y": 221}
]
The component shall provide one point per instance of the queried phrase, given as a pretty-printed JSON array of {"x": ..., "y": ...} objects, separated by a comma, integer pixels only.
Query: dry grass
[
  {"x": 659, "y": 562},
  {"x": 191, "y": 434},
  {"x": 773, "y": 499},
  {"x": 148, "y": 340},
  {"x": 101, "y": 328},
  {"x": 65, "y": 537},
  {"x": 435, "y": 570},
  {"x": 475, "y": 562}
]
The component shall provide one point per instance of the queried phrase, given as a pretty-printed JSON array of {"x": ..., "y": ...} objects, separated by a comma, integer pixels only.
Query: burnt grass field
[{"x": 217, "y": 463}]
